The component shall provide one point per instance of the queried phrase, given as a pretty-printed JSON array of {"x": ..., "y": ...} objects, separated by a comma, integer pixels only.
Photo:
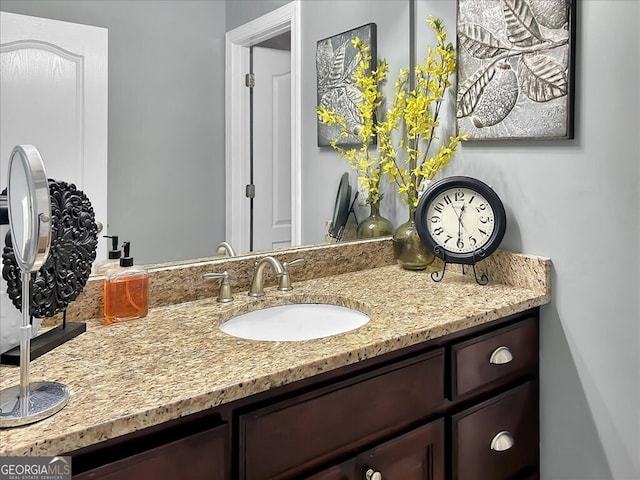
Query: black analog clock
[{"x": 461, "y": 219}]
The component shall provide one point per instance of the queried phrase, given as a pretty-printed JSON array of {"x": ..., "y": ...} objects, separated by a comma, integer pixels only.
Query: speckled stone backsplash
[{"x": 180, "y": 282}]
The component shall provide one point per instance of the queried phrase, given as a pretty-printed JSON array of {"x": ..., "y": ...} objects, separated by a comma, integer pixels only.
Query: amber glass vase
[
  {"x": 408, "y": 249},
  {"x": 375, "y": 225}
]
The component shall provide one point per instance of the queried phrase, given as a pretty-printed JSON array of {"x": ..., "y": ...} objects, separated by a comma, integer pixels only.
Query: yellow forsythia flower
[{"x": 413, "y": 113}]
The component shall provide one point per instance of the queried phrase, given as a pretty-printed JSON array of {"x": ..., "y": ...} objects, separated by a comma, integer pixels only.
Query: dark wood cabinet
[
  {"x": 197, "y": 456},
  {"x": 416, "y": 455},
  {"x": 463, "y": 406},
  {"x": 497, "y": 356},
  {"x": 343, "y": 471},
  {"x": 498, "y": 438},
  {"x": 289, "y": 437}
]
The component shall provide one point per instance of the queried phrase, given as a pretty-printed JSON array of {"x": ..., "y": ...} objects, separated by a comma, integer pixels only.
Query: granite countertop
[{"x": 175, "y": 362}]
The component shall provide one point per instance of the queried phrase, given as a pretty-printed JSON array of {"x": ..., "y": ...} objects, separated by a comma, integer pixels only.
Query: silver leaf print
[
  {"x": 479, "y": 42},
  {"x": 469, "y": 92},
  {"x": 522, "y": 27},
  {"x": 541, "y": 78}
]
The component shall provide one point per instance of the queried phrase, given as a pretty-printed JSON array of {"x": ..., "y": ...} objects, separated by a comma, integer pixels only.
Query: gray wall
[
  {"x": 166, "y": 119},
  {"x": 240, "y": 12},
  {"x": 577, "y": 202}
]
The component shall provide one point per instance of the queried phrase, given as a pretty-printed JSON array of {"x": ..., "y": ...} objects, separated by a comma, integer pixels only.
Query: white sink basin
[{"x": 300, "y": 321}]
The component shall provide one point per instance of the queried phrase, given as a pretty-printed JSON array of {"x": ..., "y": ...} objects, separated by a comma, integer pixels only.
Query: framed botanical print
[
  {"x": 515, "y": 68},
  {"x": 336, "y": 62}
]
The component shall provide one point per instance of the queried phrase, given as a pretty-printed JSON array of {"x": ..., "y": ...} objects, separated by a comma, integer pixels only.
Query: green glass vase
[
  {"x": 408, "y": 249},
  {"x": 375, "y": 225}
]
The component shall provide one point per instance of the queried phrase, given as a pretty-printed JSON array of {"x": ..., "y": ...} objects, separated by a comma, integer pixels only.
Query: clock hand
[
  {"x": 460, "y": 216},
  {"x": 459, "y": 222}
]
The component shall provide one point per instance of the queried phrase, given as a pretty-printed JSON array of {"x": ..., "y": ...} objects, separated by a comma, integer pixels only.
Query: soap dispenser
[
  {"x": 114, "y": 257},
  {"x": 126, "y": 290}
]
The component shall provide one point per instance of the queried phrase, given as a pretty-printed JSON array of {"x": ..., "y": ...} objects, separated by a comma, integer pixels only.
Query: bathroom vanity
[
  {"x": 441, "y": 383},
  {"x": 431, "y": 410}
]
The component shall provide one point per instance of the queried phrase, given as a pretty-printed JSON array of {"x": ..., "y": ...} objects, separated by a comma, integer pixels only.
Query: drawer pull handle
[
  {"x": 500, "y": 356},
  {"x": 502, "y": 441},
  {"x": 371, "y": 474}
]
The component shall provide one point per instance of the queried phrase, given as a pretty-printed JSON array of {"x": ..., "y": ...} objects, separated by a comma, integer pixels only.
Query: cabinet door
[
  {"x": 343, "y": 471},
  {"x": 299, "y": 434},
  {"x": 417, "y": 455},
  {"x": 198, "y": 456}
]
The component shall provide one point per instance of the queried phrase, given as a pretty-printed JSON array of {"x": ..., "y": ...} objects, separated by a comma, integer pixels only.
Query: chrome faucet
[
  {"x": 257, "y": 282},
  {"x": 224, "y": 248}
]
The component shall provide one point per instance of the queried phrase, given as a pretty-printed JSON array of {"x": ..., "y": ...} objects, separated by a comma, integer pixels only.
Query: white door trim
[{"x": 237, "y": 134}]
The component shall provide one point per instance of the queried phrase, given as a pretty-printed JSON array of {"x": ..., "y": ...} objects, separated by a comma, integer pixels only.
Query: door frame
[{"x": 237, "y": 122}]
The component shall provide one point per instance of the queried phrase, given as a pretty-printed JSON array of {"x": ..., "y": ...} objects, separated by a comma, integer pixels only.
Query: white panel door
[
  {"x": 272, "y": 148},
  {"x": 53, "y": 95}
]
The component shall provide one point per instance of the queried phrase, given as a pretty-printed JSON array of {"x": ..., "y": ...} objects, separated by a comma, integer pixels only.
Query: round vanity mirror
[{"x": 29, "y": 206}]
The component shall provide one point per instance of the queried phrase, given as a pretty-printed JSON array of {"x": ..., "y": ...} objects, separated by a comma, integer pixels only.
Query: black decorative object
[
  {"x": 74, "y": 240},
  {"x": 462, "y": 220},
  {"x": 342, "y": 209}
]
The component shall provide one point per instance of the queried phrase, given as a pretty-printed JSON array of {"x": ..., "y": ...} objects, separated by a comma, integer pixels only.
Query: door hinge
[
  {"x": 250, "y": 80},
  {"x": 250, "y": 191}
]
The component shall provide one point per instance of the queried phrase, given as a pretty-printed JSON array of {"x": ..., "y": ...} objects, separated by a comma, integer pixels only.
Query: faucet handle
[
  {"x": 224, "y": 295},
  {"x": 285, "y": 279}
]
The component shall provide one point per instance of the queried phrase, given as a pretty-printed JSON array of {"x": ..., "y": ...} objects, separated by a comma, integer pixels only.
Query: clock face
[{"x": 461, "y": 219}]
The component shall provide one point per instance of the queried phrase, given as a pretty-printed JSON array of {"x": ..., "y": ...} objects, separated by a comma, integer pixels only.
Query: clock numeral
[
  {"x": 439, "y": 207},
  {"x": 472, "y": 241},
  {"x": 435, "y": 219},
  {"x": 481, "y": 207},
  {"x": 472, "y": 198},
  {"x": 482, "y": 231},
  {"x": 459, "y": 196},
  {"x": 439, "y": 231},
  {"x": 449, "y": 237},
  {"x": 460, "y": 244},
  {"x": 447, "y": 199},
  {"x": 484, "y": 219}
]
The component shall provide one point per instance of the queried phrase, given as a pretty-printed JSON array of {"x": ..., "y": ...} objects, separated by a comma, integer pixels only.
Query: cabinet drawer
[
  {"x": 515, "y": 349},
  {"x": 301, "y": 433},
  {"x": 498, "y": 438},
  {"x": 197, "y": 456}
]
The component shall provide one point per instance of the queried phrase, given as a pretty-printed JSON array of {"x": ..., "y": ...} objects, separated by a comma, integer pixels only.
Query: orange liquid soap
[{"x": 126, "y": 291}]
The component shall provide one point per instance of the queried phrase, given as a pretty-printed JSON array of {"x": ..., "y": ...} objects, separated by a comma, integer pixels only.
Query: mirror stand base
[
  {"x": 45, "y": 342},
  {"x": 42, "y": 400}
]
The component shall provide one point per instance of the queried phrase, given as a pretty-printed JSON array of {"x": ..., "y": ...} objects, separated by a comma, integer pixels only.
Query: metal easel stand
[{"x": 477, "y": 256}]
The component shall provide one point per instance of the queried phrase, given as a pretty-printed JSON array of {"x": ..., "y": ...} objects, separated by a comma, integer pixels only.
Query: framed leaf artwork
[
  {"x": 515, "y": 68},
  {"x": 336, "y": 62}
]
